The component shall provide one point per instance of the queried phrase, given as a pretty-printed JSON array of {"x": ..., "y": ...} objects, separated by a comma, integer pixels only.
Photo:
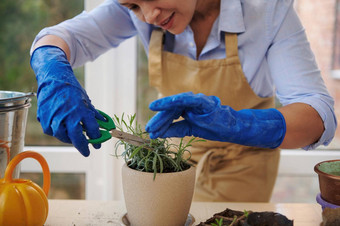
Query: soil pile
[{"x": 230, "y": 217}]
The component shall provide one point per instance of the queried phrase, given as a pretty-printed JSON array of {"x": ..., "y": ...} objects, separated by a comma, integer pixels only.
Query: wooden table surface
[{"x": 83, "y": 212}]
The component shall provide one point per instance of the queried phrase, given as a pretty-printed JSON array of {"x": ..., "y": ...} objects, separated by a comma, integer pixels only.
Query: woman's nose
[{"x": 151, "y": 14}]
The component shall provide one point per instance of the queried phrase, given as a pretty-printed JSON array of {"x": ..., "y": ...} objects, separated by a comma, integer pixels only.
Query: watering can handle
[{"x": 29, "y": 154}]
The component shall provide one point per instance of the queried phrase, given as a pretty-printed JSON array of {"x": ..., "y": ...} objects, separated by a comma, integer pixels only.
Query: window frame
[{"x": 335, "y": 71}]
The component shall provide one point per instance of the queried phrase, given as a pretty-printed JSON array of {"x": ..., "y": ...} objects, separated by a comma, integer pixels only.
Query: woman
[{"x": 217, "y": 64}]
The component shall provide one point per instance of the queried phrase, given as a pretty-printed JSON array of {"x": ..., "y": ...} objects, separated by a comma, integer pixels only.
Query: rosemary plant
[{"x": 157, "y": 156}]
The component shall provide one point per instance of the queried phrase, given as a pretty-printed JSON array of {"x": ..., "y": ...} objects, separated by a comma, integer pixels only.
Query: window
[
  {"x": 336, "y": 49},
  {"x": 23, "y": 20}
]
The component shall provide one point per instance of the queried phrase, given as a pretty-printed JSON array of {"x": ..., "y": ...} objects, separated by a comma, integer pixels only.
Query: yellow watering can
[{"x": 23, "y": 202}]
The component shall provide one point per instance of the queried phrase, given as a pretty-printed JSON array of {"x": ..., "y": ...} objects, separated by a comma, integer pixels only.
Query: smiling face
[{"x": 170, "y": 15}]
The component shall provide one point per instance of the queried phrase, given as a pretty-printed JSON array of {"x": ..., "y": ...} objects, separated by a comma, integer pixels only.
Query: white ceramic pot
[{"x": 164, "y": 201}]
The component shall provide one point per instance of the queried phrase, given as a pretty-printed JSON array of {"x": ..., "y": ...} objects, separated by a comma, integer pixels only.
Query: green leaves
[
  {"x": 219, "y": 222},
  {"x": 157, "y": 156},
  {"x": 236, "y": 220}
]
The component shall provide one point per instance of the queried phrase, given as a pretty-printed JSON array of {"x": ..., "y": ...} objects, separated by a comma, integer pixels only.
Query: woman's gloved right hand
[
  {"x": 64, "y": 109},
  {"x": 205, "y": 117}
]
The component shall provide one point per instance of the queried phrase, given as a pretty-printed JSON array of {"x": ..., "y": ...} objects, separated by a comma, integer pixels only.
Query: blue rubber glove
[
  {"x": 64, "y": 109},
  {"x": 205, "y": 117}
]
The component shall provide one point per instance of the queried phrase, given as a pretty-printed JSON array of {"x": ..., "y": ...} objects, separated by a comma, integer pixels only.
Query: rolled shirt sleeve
[
  {"x": 295, "y": 72},
  {"x": 91, "y": 34}
]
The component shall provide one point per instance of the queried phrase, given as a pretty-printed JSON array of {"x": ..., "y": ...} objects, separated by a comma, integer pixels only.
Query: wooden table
[{"x": 83, "y": 212}]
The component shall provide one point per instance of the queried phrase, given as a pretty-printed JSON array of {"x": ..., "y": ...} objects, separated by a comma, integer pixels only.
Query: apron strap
[
  {"x": 231, "y": 47},
  {"x": 155, "y": 58}
]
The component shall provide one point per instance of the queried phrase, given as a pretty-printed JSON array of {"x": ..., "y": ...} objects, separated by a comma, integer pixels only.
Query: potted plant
[
  {"x": 158, "y": 181},
  {"x": 329, "y": 183}
]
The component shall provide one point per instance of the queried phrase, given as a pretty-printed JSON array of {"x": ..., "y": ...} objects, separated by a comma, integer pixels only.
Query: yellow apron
[{"x": 227, "y": 172}]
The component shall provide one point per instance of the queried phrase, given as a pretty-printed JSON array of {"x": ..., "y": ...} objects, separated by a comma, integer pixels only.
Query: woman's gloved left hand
[{"x": 205, "y": 117}]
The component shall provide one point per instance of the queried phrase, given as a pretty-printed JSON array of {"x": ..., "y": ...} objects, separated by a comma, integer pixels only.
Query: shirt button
[{"x": 191, "y": 44}]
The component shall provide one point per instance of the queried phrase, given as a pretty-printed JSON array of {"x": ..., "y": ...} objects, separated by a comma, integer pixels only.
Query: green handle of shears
[{"x": 106, "y": 126}]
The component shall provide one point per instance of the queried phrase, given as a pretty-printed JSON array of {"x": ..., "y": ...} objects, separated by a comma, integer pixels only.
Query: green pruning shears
[{"x": 108, "y": 130}]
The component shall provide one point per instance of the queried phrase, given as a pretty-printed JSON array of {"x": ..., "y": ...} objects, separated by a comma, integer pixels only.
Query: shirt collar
[{"x": 231, "y": 17}]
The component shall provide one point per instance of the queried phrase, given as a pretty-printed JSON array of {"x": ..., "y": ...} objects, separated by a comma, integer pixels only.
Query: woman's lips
[{"x": 167, "y": 24}]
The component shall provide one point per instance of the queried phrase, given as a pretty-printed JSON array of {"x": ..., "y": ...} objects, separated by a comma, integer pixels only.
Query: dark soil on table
[{"x": 238, "y": 218}]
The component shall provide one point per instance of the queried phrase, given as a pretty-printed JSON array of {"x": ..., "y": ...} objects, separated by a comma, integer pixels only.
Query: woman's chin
[{"x": 176, "y": 31}]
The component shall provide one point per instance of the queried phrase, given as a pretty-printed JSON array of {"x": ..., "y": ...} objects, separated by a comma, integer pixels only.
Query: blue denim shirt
[{"x": 274, "y": 51}]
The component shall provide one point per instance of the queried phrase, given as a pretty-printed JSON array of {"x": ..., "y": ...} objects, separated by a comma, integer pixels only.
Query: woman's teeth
[{"x": 167, "y": 21}]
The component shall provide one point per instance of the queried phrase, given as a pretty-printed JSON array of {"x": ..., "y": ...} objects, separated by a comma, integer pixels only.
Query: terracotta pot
[
  {"x": 164, "y": 201},
  {"x": 329, "y": 180}
]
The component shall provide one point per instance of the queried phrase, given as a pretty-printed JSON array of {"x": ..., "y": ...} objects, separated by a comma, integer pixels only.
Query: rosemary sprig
[{"x": 157, "y": 156}]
